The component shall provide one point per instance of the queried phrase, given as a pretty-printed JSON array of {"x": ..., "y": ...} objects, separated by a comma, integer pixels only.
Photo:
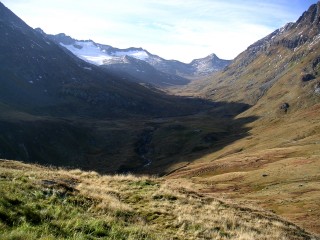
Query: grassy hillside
[
  {"x": 276, "y": 163},
  {"x": 277, "y": 166},
  {"x": 45, "y": 203}
]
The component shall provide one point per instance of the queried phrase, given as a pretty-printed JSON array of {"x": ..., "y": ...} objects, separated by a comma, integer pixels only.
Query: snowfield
[{"x": 90, "y": 52}]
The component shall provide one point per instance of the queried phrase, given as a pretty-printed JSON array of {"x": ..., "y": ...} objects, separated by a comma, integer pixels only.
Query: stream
[{"x": 143, "y": 147}]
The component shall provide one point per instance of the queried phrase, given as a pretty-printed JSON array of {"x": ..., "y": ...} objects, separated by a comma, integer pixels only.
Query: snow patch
[
  {"x": 139, "y": 54},
  {"x": 89, "y": 52},
  {"x": 92, "y": 53}
]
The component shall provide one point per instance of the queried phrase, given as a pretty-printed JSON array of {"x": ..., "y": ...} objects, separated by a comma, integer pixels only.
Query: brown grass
[
  {"x": 277, "y": 167},
  {"x": 166, "y": 208}
]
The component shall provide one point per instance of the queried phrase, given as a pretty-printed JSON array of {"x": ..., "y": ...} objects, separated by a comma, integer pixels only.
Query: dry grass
[
  {"x": 155, "y": 208},
  {"x": 276, "y": 167}
]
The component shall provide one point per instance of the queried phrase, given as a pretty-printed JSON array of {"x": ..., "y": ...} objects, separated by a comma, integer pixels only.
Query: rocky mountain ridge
[{"x": 173, "y": 72}]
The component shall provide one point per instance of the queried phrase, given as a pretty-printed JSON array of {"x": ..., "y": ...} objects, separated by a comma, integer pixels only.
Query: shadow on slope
[
  {"x": 165, "y": 145},
  {"x": 140, "y": 144}
]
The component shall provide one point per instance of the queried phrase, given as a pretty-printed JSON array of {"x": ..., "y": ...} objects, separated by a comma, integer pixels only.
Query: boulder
[
  {"x": 284, "y": 107},
  {"x": 307, "y": 77}
]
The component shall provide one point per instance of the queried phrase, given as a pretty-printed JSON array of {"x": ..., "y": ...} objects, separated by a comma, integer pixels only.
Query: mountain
[
  {"x": 282, "y": 67},
  {"x": 150, "y": 68},
  {"x": 208, "y": 65}
]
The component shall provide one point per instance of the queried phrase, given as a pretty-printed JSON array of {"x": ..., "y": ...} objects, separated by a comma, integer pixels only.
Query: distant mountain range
[{"x": 140, "y": 64}]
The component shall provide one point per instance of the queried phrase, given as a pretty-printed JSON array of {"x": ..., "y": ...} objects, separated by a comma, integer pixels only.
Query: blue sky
[{"x": 173, "y": 29}]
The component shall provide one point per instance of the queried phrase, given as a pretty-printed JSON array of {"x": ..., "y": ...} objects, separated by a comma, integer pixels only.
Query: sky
[{"x": 173, "y": 29}]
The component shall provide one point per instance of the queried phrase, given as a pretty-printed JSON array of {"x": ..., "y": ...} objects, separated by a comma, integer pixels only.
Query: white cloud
[{"x": 179, "y": 29}]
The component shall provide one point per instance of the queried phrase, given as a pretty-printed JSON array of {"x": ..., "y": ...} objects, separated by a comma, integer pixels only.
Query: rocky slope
[{"x": 283, "y": 66}]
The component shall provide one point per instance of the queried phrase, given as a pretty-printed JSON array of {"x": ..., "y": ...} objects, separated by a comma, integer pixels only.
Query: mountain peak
[
  {"x": 311, "y": 16},
  {"x": 213, "y": 55},
  {"x": 63, "y": 38},
  {"x": 39, "y": 30}
]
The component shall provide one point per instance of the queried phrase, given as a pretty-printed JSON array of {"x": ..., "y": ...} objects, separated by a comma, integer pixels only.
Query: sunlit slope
[
  {"x": 283, "y": 65},
  {"x": 43, "y": 203}
]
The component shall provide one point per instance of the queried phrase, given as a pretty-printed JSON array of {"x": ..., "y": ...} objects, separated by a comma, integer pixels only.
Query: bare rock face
[{"x": 311, "y": 17}]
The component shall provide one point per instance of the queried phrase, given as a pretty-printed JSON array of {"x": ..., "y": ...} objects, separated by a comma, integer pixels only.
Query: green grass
[
  {"x": 31, "y": 211},
  {"x": 43, "y": 203}
]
